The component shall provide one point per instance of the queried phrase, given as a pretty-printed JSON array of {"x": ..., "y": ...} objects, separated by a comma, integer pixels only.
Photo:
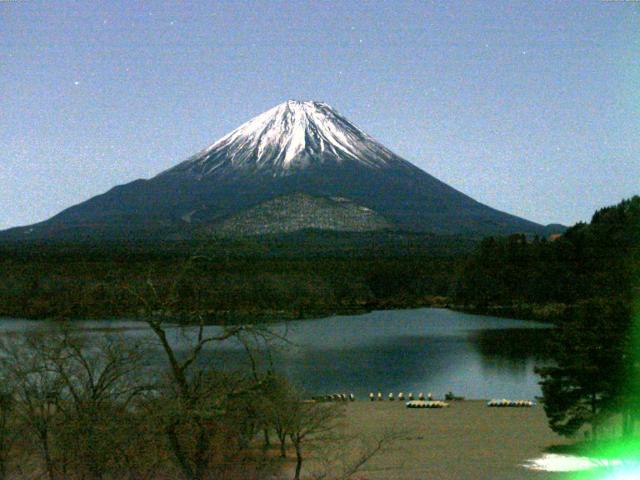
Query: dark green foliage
[
  {"x": 273, "y": 278},
  {"x": 586, "y": 384},
  {"x": 589, "y": 260}
]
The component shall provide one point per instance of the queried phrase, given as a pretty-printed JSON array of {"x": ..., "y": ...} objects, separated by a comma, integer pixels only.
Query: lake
[{"x": 419, "y": 350}]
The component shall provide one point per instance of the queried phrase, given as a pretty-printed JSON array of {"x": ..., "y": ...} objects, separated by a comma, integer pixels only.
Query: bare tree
[
  {"x": 73, "y": 394},
  {"x": 346, "y": 455},
  {"x": 37, "y": 391},
  {"x": 310, "y": 422},
  {"x": 197, "y": 397},
  {"x": 315, "y": 427},
  {"x": 258, "y": 345},
  {"x": 279, "y": 402},
  {"x": 101, "y": 376}
]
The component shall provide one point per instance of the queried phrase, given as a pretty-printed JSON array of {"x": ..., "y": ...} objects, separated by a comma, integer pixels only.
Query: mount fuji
[{"x": 300, "y": 165}]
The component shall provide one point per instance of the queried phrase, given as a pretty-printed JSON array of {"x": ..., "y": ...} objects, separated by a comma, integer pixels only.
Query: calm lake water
[{"x": 421, "y": 350}]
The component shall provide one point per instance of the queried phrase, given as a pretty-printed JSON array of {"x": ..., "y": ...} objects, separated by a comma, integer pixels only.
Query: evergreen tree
[{"x": 588, "y": 382}]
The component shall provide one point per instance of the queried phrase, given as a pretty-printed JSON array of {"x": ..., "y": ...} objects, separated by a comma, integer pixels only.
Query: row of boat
[{"x": 509, "y": 403}]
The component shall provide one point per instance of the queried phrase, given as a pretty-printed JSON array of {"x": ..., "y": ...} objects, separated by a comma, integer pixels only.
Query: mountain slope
[{"x": 296, "y": 147}]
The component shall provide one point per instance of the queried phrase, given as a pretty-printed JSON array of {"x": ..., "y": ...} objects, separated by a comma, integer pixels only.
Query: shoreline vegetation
[{"x": 545, "y": 313}]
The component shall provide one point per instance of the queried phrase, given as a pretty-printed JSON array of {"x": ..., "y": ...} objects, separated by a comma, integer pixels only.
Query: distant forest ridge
[{"x": 314, "y": 273}]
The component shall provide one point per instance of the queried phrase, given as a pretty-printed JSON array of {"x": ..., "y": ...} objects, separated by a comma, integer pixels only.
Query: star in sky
[{"x": 473, "y": 62}]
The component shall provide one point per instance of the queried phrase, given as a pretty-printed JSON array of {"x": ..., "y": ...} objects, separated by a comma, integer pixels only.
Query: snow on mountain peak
[{"x": 289, "y": 136}]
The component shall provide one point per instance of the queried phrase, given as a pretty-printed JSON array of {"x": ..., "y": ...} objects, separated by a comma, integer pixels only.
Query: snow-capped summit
[{"x": 289, "y": 136}]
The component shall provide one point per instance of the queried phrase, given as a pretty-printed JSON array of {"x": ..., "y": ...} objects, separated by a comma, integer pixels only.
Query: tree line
[
  {"x": 544, "y": 278},
  {"x": 75, "y": 283}
]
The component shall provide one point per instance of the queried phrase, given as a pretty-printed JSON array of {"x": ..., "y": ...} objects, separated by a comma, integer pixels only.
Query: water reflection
[
  {"x": 428, "y": 350},
  {"x": 513, "y": 349}
]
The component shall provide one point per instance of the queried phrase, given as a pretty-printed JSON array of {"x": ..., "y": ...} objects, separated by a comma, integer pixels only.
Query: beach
[{"x": 467, "y": 440}]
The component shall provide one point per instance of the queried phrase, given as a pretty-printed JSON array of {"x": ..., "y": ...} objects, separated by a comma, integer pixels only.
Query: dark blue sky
[{"x": 530, "y": 107}]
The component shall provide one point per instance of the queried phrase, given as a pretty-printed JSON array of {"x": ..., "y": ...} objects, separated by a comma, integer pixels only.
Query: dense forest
[
  {"x": 545, "y": 278},
  {"x": 317, "y": 273},
  {"x": 292, "y": 277}
]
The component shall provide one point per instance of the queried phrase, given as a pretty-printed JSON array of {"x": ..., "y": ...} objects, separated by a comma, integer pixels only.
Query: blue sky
[{"x": 530, "y": 107}]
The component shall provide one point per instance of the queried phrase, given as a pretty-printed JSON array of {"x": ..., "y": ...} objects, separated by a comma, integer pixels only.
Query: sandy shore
[{"x": 465, "y": 441}]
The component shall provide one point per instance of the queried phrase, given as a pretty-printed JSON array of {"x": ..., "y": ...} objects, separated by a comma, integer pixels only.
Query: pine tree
[{"x": 587, "y": 384}]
